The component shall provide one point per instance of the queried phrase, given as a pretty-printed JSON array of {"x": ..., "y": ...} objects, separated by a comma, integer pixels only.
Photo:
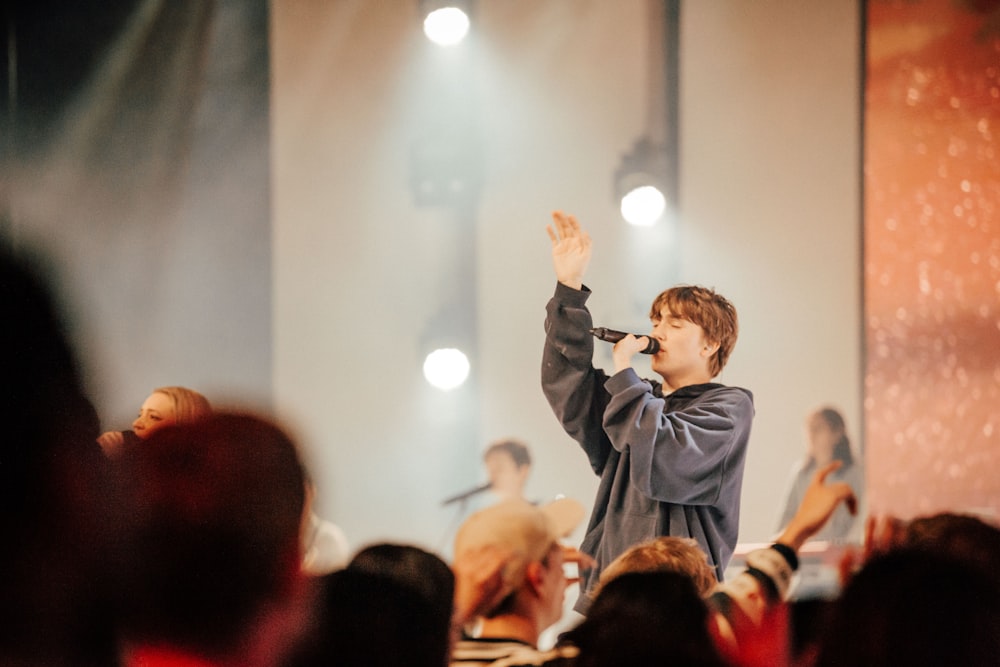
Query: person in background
[
  {"x": 163, "y": 407},
  {"x": 324, "y": 545},
  {"x": 508, "y": 464},
  {"x": 827, "y": 441}
]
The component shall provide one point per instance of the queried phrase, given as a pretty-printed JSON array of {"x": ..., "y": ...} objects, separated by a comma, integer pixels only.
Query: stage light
[
  {"x": 646, "y": 180},
  {"x": 446, "y": 368},
  {"x": 642, "y": 183},
  {"x": 643, "y": 206},
  {"x": 445, "y": 24}
]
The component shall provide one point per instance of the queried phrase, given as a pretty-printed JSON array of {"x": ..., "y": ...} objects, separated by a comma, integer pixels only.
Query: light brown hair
[
  {"x": 666, "y": 553},
  {"x": 709, "y": 310}
]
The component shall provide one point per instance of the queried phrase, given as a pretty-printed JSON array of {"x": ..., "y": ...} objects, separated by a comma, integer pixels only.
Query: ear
[
  {"x": 709, "y": 348},
  {"x": 534, "y": 577}
]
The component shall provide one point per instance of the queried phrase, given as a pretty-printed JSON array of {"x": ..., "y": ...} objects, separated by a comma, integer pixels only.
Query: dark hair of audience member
[
  {"x": 411, "y": 566},
  {"x": 807, "y": 617},
  {"x": 961, "y": 536},
  {"x": 916, "y": 608},
  {"x": 216, "y": 510},
  {"x": 646, "y": 618},
  {"x": 372, "y": 615},
  {"x": 53, "y": 483}
]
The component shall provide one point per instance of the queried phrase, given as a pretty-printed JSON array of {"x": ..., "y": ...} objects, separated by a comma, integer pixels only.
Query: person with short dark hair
[
  {"x": 391, "y": 605},
  {"x": 508, "y": 464}
]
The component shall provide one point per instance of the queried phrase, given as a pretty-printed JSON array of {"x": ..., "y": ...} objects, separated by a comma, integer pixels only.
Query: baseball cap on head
[{"x": 527, "y": 530}]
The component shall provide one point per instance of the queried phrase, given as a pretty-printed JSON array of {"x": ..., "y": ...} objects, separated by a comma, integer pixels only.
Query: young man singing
[{"x": 670, "y": 454}]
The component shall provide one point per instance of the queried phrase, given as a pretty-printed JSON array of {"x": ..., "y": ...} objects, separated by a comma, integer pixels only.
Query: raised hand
[
  {"x": 819, "y": 502},
  {"x": 570, "y": 249}
]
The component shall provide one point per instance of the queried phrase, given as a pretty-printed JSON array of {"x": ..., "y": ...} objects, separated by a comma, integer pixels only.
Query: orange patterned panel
[{"x": 932, "y": 256}]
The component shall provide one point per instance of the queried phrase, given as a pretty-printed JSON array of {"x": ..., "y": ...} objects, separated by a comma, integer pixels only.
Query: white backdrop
[{"x": 769, "y": 215}]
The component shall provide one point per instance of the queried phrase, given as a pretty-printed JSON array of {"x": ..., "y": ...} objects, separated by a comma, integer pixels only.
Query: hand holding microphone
[{"x": 612, "y": 336}]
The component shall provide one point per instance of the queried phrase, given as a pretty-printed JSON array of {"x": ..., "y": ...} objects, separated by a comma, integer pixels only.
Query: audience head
[
  {"x": 828, "y": 439},
  {"x": 709, "y": 310},
  {"x": 664, "y": 554},
  {"x": 914, "y": 607},
  {"x": 365, "y": 619},
  {"x": 413, "y": 570},
  {"x": 411, "y": 566},
  {"x": 534, "y": 582},
  {"x": 962, "y": 536},
  {"x": 213, "y": 536},
  {"x": 166, "y": 406},
  {"x": 646, "y": 618},
  {"x": 508, "y": 463}
]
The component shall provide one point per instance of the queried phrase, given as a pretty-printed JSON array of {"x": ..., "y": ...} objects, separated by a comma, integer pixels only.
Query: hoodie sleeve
[
  {"x": 573, "y": 387},
  {"x": 678, "y": 454}
]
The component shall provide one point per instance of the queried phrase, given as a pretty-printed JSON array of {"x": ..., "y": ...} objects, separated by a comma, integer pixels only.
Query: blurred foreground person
[
  {"x": 209, "y": 570},
  {"x": 533, "y": 584},
  {"x": 916, "y": 608},
  {"x": 645, "y": 618},
  {"x": 391, "y": 606},
  {"x": 53, "y": 486}
]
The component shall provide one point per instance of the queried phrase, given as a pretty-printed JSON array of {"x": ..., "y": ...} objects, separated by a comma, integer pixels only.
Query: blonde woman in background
[{"x": 163, "y": 407}]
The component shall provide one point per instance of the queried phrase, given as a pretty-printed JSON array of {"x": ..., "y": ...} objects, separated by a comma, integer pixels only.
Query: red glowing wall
[{"x": 932, "y": 256}]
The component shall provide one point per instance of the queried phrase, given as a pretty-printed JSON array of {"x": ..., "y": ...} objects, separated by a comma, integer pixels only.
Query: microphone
[
  {"x": 612, "y": 336},
  {"x": 467, "y": 494}
]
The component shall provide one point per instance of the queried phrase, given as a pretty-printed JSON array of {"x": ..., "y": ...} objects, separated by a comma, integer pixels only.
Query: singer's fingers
[
  {"x": 565, "y": 224},
  {"x": 552, "y": 235},
  {"x": 631, "y": 343}
]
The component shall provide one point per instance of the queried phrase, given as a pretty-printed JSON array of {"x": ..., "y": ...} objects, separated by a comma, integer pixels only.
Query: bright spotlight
[
  {"x": 446, "y": 26},
  {"x": 446, "y": 368},
  {"x": 643, "y": 183},
  {"x": 643, "y": 206}
]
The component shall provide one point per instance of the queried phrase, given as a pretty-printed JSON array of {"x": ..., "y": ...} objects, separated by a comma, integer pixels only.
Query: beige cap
[{"x": 529, "y": 531}]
